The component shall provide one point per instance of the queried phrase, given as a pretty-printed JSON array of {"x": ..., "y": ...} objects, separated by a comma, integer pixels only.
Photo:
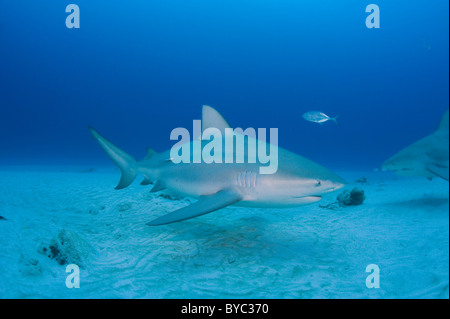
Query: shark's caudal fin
[{"x": 124, "y": 161}]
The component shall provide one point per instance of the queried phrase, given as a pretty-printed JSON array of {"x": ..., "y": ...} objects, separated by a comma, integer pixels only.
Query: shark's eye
[{"x": 318, "y": 183}]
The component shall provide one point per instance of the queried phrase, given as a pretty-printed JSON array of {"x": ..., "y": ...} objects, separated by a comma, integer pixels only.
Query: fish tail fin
[
  {"x": 126, "y": 163},
  {"x": 334, "y": 119}
]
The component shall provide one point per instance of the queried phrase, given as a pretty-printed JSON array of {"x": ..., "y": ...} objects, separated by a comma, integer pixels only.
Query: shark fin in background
[
  {"x": 124, "y": 161},
  {"x": 426, "y": 157},
  {"x": 443, "y": 125},
  {"x": 150, "y": 153},
  {"x": 159, "y": 186},
  {"x": 440, "y": 171},
  {"x": 205, "y": 205},
  {"x": 212, "y": 118}
]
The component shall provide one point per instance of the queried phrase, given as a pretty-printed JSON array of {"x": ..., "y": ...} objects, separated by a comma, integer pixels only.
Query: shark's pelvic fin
[
  {"x": 146, "y": 181},
  {"x": 124, "y": 161},
  {"x": 212, "y": 118},
  {"x": 159, "y": 186},
  {"x": 205, "y": 205}
]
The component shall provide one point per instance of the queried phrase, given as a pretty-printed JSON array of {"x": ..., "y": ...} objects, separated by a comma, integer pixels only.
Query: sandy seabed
[{"x": 304, "y": 252}]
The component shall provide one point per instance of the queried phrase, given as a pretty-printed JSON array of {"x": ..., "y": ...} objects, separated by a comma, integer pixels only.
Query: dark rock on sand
[
  {"x": 361, "y": 180},
  {"x": 68, "y": 248},
  {"x": 351, "y": 198},
  {"x": 347, "y": 198}
]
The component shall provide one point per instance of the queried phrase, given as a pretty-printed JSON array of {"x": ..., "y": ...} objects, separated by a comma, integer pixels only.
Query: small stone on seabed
[
  {"x": 347, "y": 198},
  {"x": 351, "y": 198},
  {"x": 68, "y": 248}
]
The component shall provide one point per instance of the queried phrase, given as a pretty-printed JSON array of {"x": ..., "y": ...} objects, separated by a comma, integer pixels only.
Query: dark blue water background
[{"x": 137, "y": 69}]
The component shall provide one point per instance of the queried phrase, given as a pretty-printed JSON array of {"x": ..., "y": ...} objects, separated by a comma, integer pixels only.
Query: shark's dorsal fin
[
  {"x": 205, "y": 205},
  {"x": 212, "y": 118},
  {"x": 443, "y": 125},
  {"x": 150, "y": 153}
]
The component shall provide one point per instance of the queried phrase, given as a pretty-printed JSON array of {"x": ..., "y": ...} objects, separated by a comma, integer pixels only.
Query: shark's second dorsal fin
[
  {"x": 150, "y": 153},
  {"x": 443, "y": 125},
  {"x": 212, "y": 118}
]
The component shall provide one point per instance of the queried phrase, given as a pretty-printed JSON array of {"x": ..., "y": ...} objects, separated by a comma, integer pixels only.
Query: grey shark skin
[
  {"x": 427, "y": 157},
  {"x": 298, "y": 181}
]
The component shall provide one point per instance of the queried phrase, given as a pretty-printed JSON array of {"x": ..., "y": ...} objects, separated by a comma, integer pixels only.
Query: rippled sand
[{"x": 305, "y": 252}]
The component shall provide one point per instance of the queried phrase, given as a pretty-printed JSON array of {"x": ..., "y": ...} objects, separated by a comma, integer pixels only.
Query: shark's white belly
[{"x": 196, "y": 180}]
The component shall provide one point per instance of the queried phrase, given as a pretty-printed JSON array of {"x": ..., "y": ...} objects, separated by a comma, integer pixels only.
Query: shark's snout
[
  {"x": 331, "y": 185},
  {"x": 337, "y": 183}
]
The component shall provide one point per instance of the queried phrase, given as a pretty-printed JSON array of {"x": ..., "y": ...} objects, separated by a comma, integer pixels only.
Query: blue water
[{"x": 136, "y": 70}]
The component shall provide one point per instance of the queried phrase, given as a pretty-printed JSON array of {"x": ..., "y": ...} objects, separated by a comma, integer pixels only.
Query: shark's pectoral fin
[
  {"x": 438, "y": 170},
  {"x": 204, "y": 205}
]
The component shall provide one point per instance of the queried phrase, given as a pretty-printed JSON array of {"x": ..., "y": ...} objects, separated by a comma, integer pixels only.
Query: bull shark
[
  {"x": 427, "y": 157},
  {"x": 297, "y": 181}
]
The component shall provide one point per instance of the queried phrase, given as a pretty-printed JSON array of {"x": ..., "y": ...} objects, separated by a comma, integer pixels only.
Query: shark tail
[{"x": 126, "y": 163}]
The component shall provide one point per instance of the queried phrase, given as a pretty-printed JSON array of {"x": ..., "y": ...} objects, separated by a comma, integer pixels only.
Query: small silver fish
[{"x": 318, "y": 117}]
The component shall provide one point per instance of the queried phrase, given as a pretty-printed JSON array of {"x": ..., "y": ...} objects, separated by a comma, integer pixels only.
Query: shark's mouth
[{"x": 317, "y": 197}]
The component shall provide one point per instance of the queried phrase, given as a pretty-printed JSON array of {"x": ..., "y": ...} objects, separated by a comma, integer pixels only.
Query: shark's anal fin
[
  {"x": 146, "y": 181},
  {"x": 159, "y": 186},
  {"x": 204, "y": 205},
  {"x": 440, "y": 171}
]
